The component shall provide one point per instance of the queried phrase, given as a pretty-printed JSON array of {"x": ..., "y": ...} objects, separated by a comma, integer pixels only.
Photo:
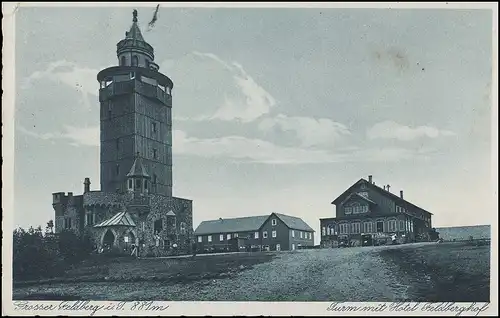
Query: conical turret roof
[
  {"x": 138, "y": 169},
  {"x": 135, "y": 32}
]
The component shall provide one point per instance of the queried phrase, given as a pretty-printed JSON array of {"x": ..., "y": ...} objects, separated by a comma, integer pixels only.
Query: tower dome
[{"x": 133, "y": 50}]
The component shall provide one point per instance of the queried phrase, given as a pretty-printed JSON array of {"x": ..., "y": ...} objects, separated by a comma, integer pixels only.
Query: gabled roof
[
  {"x": 354, "y": 194},
  {"x": 170, "y": 213},
  {"x": 121, "y": 218},
  {"x": 138, "y": 169},
  {"x": 244, "y": 224},
  {"x": 380, "y": 190},
  {"x": 293, "y": 222}
]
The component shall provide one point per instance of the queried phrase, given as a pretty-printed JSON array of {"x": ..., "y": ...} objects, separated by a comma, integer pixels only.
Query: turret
[{"x": 138, "y": 178}]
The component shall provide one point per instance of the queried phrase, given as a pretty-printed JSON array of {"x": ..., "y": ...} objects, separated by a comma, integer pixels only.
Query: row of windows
[
  {"x": 256, "y": 235},
  {"x": 303, "y": 234},
  {"x": 400, "y": 209},
  {"x": 356, "y": 209},
  {"x": 158, "y": 225},
  {"x": 368, "y": 227}
]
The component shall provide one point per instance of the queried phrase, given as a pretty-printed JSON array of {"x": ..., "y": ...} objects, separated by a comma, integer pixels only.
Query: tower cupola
[
  {"x": 138, "y": 178},
  {"x": 134, "y": 50}
]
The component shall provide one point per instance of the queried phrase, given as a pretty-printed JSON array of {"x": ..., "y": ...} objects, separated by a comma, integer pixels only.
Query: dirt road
[{"x": 349, "y": 274}]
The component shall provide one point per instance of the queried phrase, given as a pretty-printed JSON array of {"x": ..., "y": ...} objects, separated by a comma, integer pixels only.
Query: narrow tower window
[
  {"x": 135, "y": 60},
  {"x": 155, "y": 154},
  {"x": 117, "y": 169},
  {"x": 153, "y": 127},
  {"x": 123, "y": 61}
]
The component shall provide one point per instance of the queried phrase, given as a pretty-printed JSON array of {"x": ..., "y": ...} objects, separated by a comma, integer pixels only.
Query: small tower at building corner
[
  {"x": 136, "y": 116},
  {"x": 138, "y": 178}
]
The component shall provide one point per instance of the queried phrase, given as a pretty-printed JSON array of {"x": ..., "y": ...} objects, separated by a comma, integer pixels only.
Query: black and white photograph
[{"x": 253, "y": 158}]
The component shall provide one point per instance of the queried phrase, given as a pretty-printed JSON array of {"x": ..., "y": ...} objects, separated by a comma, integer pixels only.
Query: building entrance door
[{"x": 380, "y": 226}]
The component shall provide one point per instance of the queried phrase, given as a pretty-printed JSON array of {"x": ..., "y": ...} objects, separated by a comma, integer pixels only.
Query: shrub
[
  {"x": 32, "y": 258},
  {"x": 37, "y": 256}
]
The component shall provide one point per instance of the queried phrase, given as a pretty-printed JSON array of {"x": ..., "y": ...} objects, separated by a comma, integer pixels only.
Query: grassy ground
[
  {"x": 446, "y": 272},
  {"x": 413, "y": 272}
]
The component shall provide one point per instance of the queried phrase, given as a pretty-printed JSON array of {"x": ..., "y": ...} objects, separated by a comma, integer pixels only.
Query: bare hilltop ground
[{"x": 413, "y": 272}]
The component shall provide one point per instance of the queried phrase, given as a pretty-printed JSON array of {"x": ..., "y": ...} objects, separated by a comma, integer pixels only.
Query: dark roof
[
  {"x": 138, "y": 169},
  {"x": 244, "y": 224},
  {"x": 294, "y": 223},
  {"x": 377, "y": 188},
  {"x": 121, "y": 218},
  {"x": 134, "y": 33}
]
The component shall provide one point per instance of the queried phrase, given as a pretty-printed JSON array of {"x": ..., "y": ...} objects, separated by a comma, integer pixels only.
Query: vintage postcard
[{"x": 250, "y": 159}]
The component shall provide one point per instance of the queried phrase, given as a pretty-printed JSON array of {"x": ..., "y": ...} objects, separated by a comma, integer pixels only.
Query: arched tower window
[
  {"x": 123, "y": 61},
  {"x": 135, "y": 60}
]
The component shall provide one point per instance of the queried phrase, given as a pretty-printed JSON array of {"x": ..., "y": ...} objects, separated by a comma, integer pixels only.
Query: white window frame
[
  {"x": 391, "y": 226},
  {"x": 293, "y": 233},
  {"x": 209, "y": 238},
  {"x": 368, "y": 227},
  {"x": 256, "y": 235},
  {"x": 323, "y": 231},
  {"x": 402, "y": 225},
  {"x": 274, "y": 222},
  {"x": 355, "y": 228},
  {"x": 278, "y": 247},
  {"x": 235, "y": 235},
  {"x": 310, "y": 235},
  {"x": 221, "y": 237},
  {"x": 300, "y": 233},
  {"x": 200, "y": 239},
  {"x": 344, "y": 228},
  {"x": 274, "y": 234},
  {"x": 264, "y": 234},
  {"x": 293, "y": 247},
  {"x": 228, "y": 237}
]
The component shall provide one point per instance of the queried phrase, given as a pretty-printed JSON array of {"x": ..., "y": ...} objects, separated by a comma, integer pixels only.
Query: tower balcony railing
[{"x": 127, "y": 87}]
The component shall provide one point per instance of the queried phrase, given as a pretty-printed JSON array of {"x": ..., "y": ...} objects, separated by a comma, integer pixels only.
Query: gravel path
[{"x": 349, "y": 274}]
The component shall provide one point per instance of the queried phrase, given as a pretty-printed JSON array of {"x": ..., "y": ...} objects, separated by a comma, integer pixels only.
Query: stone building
[
  {"x": 367, "y": 214},
  {"x": 135, "y": 205},
  {"x": 272, "y": 232}
]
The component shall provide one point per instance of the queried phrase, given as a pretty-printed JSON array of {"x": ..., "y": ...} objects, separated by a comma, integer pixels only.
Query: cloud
[
  {"x": 239, "y": 148},
  {"x": 393, "y": 130},
  {"x": 310, "y": 131},
  {"x": 77, "y": 136},
  {"x": 251, "y": 102},
  {"x": 81, "y": 79},
  {"x": 242, "y": 149}
]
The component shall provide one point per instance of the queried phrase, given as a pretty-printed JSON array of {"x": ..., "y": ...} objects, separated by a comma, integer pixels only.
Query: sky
[{"x": 274, "y": 110}]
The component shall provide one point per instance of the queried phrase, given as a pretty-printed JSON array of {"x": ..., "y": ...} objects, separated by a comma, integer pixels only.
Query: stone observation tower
[
  {"x": 135, "y": 206},
  {"x": 136, "y": 116}
]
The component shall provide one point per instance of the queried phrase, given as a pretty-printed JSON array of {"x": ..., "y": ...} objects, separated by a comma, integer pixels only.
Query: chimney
[
  {"x": 401, "y": 194},
  {"x": 388, "y": 187},
  {"x": 384, "y": 187},
  {"x": 86, "y": 185},
  {"x": 370, "y": 178}
]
